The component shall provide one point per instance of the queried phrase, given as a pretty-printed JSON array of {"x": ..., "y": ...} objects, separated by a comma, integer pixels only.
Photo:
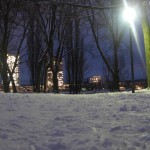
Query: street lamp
[{"x": 129, "y": 16}]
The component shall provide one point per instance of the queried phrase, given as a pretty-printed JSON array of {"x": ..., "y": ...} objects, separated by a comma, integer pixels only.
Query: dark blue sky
[{"x": 96, "y": 64}]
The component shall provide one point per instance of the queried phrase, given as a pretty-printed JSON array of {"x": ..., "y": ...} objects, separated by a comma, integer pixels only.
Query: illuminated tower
[{"x": 10, "y": 62}]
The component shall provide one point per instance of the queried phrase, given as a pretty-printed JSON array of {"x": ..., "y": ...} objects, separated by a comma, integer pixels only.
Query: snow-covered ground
[{"x": 104, "y": 121}]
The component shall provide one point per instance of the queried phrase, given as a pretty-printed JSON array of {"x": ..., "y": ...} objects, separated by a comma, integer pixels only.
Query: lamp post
[
  {"x": 129, "y": 16},
  {"x": 132, "y": 64}
]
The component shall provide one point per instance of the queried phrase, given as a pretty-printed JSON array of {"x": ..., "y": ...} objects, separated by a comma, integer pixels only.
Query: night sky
[{"x": 95, "y": 63}]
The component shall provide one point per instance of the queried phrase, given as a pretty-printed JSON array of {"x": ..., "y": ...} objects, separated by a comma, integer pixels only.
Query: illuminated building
[
  {"x": 10, "y": 62},
  {"x": 59, "y": 77},
  {"x": 95, "y": 79},
  {"x": 95, "y": 82}
]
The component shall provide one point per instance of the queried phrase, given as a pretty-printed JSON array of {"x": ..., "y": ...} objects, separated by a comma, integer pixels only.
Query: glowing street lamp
[{"x": 129, "y": 16}]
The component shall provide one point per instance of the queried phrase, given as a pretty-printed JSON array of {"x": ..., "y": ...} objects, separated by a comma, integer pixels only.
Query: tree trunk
[
  {"x": 38, "y": 89},
  {"x": 5, "y": 77},
  {"x": 5, "y": 81},
  {"x": 14, "y": 86},
  {"x": 38, "y": 79},
  {"x": 116, "y": 69},
  {"x": 55, "y": 82},
  {"x": 45, "y": 79}
]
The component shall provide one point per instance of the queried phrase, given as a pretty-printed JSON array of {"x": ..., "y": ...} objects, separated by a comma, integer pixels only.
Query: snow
[{"x": 101, "y": 121}]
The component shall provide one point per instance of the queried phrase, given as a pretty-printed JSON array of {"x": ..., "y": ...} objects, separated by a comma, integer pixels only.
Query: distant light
[
  {"x": 129, "y": 14},
  {"x": 10, "y": 61}
]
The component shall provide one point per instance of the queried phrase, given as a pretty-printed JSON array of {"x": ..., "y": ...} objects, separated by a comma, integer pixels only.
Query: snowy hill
[{"x": 104, "y": 121}]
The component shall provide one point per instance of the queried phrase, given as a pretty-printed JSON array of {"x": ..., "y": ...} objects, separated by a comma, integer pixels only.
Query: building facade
[
  {"x": 10, "y": 61},
  {"x": 60, "y": 77}
]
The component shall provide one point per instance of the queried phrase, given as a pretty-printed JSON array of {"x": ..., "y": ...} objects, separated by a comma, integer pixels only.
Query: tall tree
[
  {"x": 11, "y": 23},
  {"x": 35, "y": 48},
  {"x": 74, "y": 51},
  {"x": 50, "y": 20},
  {"x": 5, "y": 29},
  {"x": 106, "y": 29}
]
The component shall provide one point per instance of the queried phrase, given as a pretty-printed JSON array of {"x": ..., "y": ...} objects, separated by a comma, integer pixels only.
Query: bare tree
[
  {"x": 74, "y": 51},
  {"x": 47, "y": 30},
  {"x": 106, "y": 28},
  {"x": 10, "y": 24},
  {"x": 35, "y": 48}
]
